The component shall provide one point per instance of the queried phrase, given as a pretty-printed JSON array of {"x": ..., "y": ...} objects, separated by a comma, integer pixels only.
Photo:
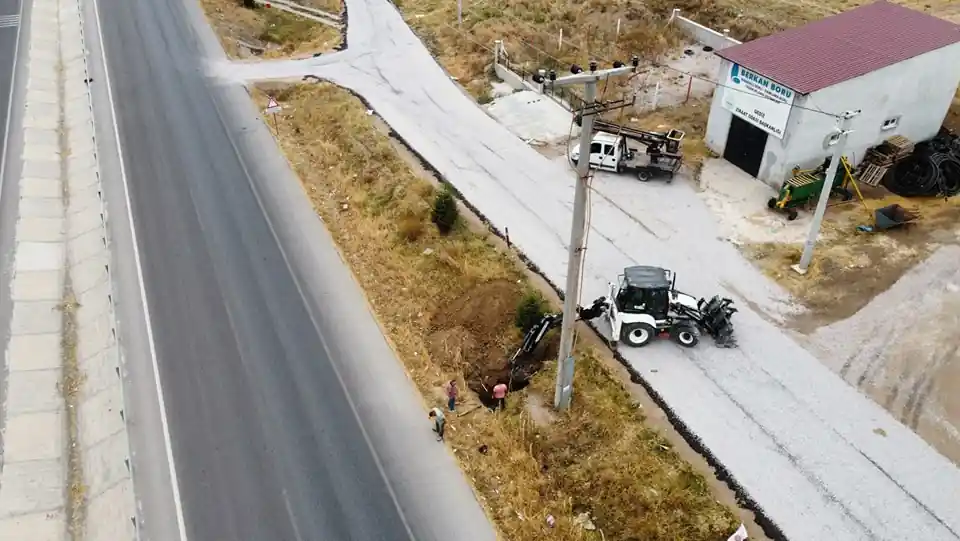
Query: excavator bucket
[{"x": 717, "y": 321}]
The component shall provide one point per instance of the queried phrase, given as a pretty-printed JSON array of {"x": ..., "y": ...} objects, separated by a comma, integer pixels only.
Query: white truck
[{"x": 609, "y": 151}]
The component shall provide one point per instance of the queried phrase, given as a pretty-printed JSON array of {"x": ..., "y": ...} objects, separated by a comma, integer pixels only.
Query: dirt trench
[{"x": 474, "y": 335}]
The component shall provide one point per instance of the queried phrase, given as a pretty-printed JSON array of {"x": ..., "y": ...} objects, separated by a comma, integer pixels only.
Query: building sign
[{"x": 764, "y": 103}]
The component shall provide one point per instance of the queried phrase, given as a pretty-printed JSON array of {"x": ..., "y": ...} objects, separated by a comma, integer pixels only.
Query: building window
[{"x": 890, "y": 123}]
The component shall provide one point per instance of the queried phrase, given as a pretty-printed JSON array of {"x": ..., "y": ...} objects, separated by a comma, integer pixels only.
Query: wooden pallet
[
  {"x": 871, "y": 174},
  {"x": 901, "y": 145}
]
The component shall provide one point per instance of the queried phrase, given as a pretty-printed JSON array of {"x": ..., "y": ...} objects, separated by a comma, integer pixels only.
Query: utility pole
[
  {"x": 838, "y": 148},
  {"x": 571, "y": 296},
  {"x": 459, "y": 13}
]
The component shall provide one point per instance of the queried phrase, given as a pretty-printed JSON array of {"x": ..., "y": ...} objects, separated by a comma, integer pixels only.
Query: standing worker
[
  {"x": 438, "y": 422},
  {"x": 452, "y": 395},
  {"x": 500, "y": 395}
]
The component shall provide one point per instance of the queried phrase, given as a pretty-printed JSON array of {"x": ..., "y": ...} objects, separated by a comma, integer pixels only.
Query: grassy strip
[
  {"x": 448, "y": 304},
  {"x": 280, "y": 33}
]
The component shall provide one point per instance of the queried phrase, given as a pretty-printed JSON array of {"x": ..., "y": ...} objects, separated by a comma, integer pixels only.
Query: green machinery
[{"x": 804, "y": 187}]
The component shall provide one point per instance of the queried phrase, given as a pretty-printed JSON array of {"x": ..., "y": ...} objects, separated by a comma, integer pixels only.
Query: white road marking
[
  {"x": 174, "y": 480},
  {"x": 293, "y": 520},
  {"x": 13, "y": 87}
]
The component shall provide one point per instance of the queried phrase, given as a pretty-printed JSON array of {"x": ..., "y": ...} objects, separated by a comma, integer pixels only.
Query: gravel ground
[{"x": 902, "y": 350}]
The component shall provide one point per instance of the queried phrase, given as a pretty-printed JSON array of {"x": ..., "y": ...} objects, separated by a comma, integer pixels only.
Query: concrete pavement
[
  {"x": 65, "y": 441},
  {"x": 793, "y": 438},
  {"x": 33, "y": 481}
]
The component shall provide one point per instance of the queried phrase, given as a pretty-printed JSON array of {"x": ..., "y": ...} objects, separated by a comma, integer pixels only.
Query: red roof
[{"x": 844, "y": 46}]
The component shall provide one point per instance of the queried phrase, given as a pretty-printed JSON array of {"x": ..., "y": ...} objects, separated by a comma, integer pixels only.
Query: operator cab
[{"x": 645, "y": 290}]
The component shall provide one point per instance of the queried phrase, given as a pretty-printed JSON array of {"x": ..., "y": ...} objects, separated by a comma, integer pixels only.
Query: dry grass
[
  {"x": 447, "y": 304},
  {"x": 531, "y": 32},
  {"x": 531, "y": 28},
  {"x": 850, "y": 268},
  {"x": 279, "y": 33}
]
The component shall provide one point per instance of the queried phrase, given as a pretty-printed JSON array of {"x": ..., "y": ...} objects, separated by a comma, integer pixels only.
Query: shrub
[
  {"x": 530, "y": 310},
  {"x": 445, "y": 213}
]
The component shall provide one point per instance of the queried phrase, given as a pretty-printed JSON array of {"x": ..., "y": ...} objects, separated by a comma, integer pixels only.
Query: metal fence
[{"x": 565, "y": 96}]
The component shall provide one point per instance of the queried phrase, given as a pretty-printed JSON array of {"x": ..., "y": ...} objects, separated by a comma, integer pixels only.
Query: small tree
[
  {"x": 530, "y": 310},
  {"x": 445, "y": 213}
]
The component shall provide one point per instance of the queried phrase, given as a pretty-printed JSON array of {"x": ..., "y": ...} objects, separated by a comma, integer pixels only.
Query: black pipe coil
[{"x": 931, "y": 170}]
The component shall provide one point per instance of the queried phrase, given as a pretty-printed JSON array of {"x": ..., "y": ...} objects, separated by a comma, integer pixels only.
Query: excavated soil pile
[{"x": 475, "y": 335}]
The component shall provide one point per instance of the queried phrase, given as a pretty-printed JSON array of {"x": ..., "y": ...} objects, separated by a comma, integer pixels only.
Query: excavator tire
[
  {"x": 637, "y": 335},
  {"x": 685, "y": 334}
]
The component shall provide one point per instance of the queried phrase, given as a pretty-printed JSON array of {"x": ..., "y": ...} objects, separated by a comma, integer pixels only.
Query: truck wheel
[
  {"x": 643, "y": 176},
  {"x": 792, "y": 214},
  {"x": 772, "y": 203},
  {"x": 637, "y": 335}
]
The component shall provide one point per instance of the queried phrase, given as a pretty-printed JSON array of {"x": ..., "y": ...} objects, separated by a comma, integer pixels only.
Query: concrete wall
[
  {"x": 918, "y": 90},
  {"x": 702, "y": 34},
  {"x": 509, "y": 77}
]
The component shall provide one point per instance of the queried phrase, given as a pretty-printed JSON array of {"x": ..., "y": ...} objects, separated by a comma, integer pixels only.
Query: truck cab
[{"x": 607, "y": 152}]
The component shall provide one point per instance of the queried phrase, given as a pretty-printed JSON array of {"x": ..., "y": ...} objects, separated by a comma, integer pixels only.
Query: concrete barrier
[
  {"x": 702, "y": 34},
  {"x": 105, "y": 448}
]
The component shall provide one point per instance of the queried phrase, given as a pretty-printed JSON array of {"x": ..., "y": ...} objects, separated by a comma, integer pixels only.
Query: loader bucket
[{"x": 717, "y": 322}]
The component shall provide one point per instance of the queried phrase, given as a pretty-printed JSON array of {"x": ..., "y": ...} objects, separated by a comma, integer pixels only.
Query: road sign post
[{"x": 273, "y": 107}]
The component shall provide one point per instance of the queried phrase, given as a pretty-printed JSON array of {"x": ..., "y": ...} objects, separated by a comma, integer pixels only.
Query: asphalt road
[{"x": 267, "y": 442}]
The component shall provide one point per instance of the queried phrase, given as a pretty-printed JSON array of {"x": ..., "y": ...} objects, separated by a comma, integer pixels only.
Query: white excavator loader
[{"x": 645, "y": 304}]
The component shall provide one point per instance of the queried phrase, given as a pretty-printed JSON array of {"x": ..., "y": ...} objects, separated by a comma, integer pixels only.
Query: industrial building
[{"x": 899, "y": 67}]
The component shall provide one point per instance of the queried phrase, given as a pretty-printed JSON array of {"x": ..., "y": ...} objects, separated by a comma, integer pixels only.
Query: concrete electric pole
[
  {"x": 842, "y": 133},
  {"x": 571, "y": 295}
]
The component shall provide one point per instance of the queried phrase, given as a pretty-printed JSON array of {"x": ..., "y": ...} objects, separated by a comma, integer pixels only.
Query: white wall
[
  {"x": 718, "y": 123},
  {"x": 918, "y": 90},
  {"x": 702, "y": 34}
]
